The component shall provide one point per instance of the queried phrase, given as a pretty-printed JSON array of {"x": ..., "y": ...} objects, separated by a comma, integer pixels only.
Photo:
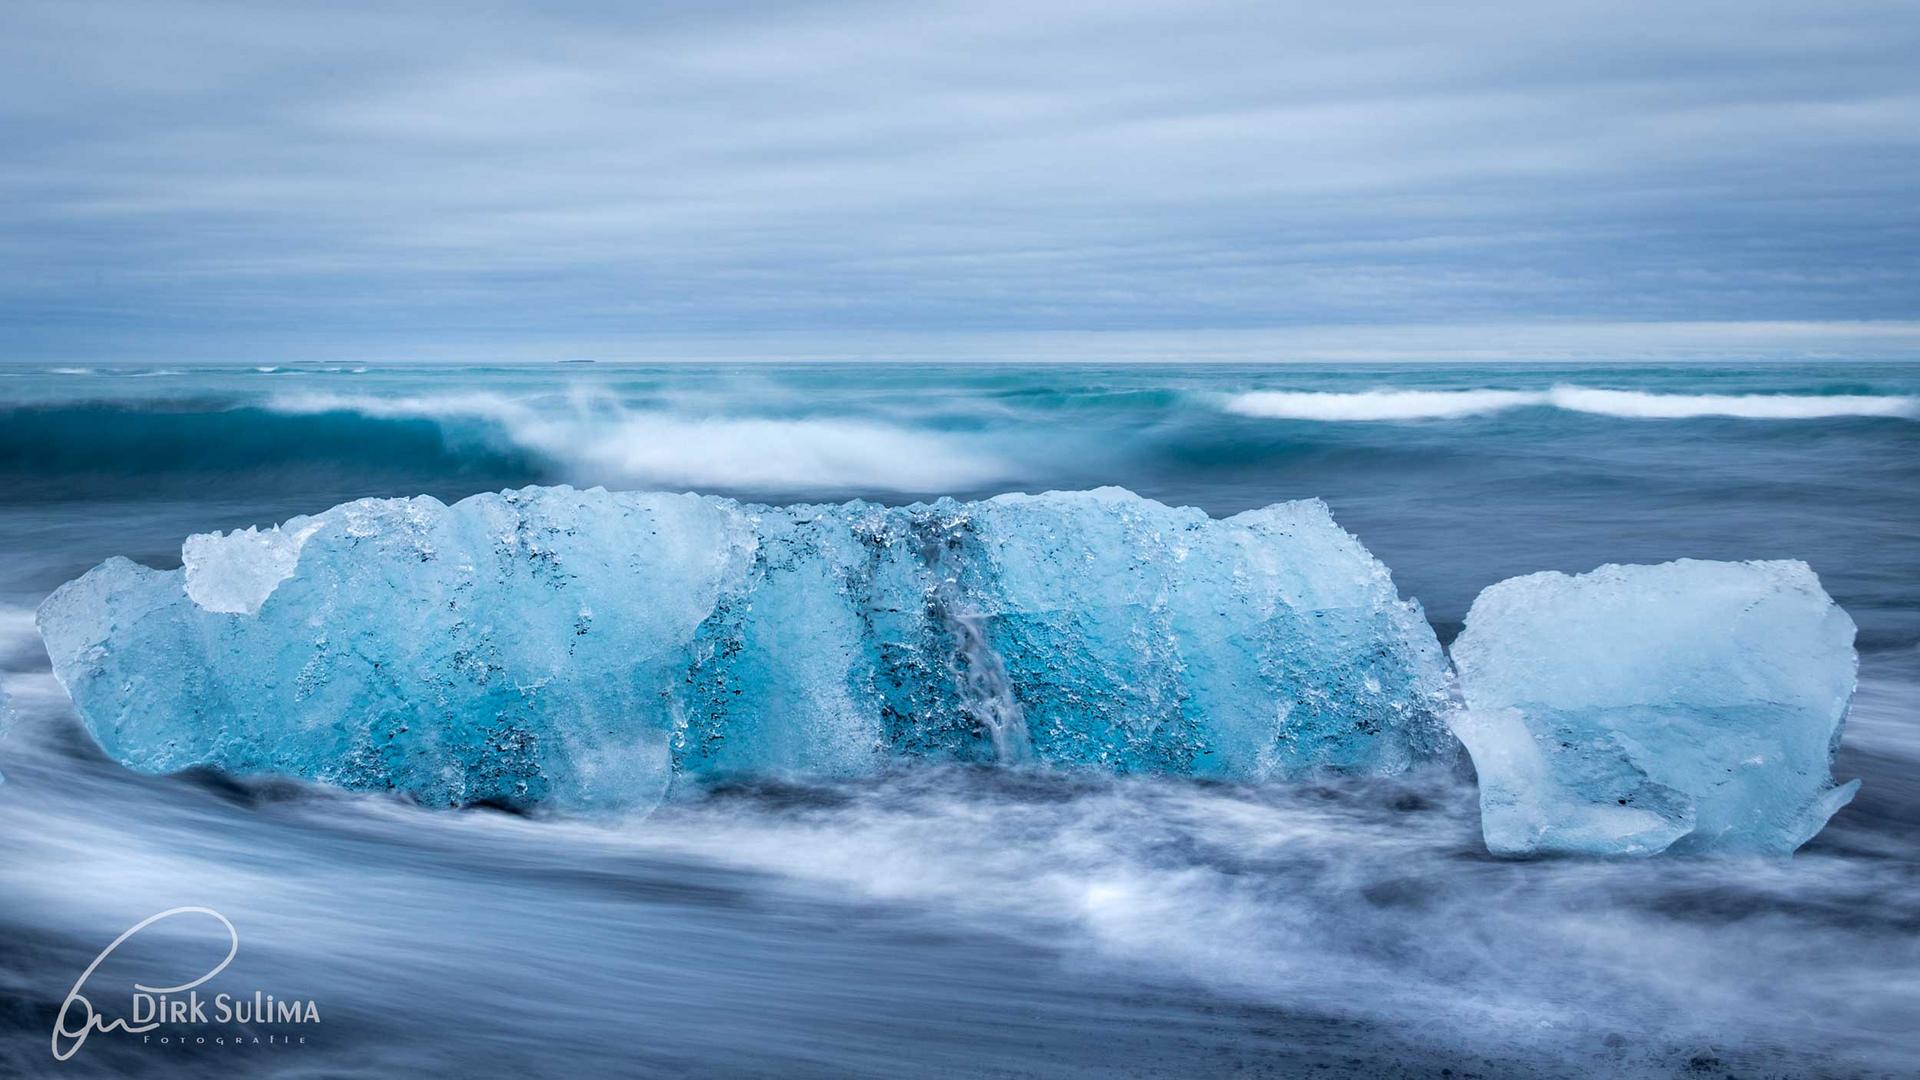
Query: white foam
[
  {"x": 432, "y": 407},
  {"x": 1633, "y": 403},
  {"x": 1391, "y": 405},
  {"x": 599, "y": 441},
  {"x": 1379, "y": 404},
  {"x": 33, "y": 694},
  {"x": 19, "y": 640}
]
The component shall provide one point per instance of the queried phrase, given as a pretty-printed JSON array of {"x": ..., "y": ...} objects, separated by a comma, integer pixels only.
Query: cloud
[{"x": 192, "y": 176}]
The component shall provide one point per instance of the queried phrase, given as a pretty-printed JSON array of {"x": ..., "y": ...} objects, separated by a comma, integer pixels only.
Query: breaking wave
[
  {"x": 596, "y": 439},
  {"x": 1375, "y": 405},
  {"x": 117, "y": 443},
  {"x": 483, "y": 440}
]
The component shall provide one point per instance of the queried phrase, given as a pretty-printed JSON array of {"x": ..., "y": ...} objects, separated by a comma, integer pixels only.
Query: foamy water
[
  {"x": 1115, "y": 923},
  {"x": 595, "y": 439},
  {"x": 991, "y": 921},
  {"x": 1451, "y": 404}
]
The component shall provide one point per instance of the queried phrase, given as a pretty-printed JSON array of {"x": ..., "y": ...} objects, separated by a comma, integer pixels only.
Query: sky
[{"x": 186, "y": 180}]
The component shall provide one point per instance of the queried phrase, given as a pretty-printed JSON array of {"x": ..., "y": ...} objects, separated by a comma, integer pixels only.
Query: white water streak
[
  {"x": 596, "y": 439},
  {"x": 1389, "y": 405}
]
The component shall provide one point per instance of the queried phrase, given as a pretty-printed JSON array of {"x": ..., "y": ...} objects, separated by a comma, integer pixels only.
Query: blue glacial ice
[
  {"x": 1691, "y": 705},
  {"x": 590, "y": 649}
]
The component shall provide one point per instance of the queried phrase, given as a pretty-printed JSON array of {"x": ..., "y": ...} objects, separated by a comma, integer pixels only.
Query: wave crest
[
  {"x": 1389, "y": 405},
  {"x": 594, "y": 439}
]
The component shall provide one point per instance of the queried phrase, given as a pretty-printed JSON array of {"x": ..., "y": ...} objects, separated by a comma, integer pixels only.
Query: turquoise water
[{"x": 961, "y": 921}]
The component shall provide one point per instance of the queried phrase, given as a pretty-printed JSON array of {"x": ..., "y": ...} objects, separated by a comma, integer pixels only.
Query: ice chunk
[
  {"x": 1261, "y": 645},
  {"x": 236, "y": 573},
  {"x": 584, "y": 648},
  {"x": 1691, "y": 705}
]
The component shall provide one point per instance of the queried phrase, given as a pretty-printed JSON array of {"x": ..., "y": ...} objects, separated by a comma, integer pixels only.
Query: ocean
[{"x": 948, "y": 921}]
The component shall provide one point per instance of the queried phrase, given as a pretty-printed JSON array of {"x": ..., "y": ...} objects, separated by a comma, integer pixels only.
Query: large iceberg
[
  {"x": 589, "y": 649},
  {"x": 1691, "y": 705}
]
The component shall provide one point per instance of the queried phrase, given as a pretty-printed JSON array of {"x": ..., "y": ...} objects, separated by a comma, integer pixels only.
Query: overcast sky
[{"x": 186, "y": 180}]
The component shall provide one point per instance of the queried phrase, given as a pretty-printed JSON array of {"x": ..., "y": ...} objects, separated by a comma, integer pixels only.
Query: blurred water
[{"x": 985, "y": 922}]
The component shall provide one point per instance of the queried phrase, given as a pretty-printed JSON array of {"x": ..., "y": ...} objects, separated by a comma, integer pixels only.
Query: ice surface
[
  {"x": 1692, "y": 705},
  {"x": 235, "y": 573},
  {"x": 586, "y": 648}
]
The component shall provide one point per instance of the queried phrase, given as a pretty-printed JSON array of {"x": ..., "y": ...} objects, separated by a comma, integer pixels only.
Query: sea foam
[
  {"x": 594, "y": 438},
  {"x": 1390, "y": 405}
]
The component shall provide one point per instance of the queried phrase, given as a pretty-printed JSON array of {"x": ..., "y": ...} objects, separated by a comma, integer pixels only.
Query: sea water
[{"x": 967, "y": 920}]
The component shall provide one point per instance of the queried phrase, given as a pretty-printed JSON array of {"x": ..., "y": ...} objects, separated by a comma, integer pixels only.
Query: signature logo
[{"x": 151, "y": 1006}]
